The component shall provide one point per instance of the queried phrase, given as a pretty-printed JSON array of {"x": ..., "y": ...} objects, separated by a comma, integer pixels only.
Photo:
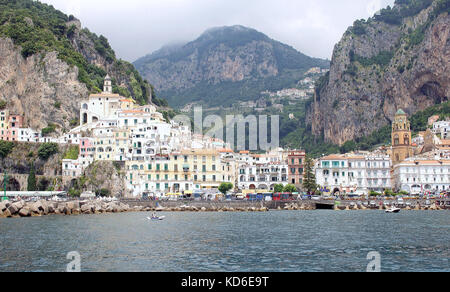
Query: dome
[{"x": 400, "y": 112}]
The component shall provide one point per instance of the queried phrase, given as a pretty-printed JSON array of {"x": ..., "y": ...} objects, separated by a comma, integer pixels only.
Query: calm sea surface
[{"x": 235, "y": 242}]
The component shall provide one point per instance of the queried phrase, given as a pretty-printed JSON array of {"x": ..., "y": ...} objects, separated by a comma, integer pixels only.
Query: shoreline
[{"x": 45, "y": 208}]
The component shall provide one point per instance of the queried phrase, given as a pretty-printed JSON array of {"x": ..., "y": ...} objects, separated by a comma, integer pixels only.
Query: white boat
[
  {"x": 156, "y": 218},
  {"x": 393, "y": 210}
]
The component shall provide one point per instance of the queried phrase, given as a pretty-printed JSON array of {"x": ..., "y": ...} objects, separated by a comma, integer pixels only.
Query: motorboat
[
  {"x": 393, "y": 210},
  {"x": 157, "y": 218}
]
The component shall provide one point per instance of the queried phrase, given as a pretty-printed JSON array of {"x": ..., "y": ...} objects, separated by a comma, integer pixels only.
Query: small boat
[
  {"x": 156, "y": 218},
  {"x": 393, "y": 210}
]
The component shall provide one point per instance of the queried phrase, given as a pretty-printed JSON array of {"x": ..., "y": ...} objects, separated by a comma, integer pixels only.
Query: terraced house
[{"x": 183, "y": 171}]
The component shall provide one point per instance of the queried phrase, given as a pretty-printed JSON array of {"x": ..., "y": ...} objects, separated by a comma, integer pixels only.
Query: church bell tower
[
  {"x": 107, "y": 85},
  {"x": 401, "y": 138}
]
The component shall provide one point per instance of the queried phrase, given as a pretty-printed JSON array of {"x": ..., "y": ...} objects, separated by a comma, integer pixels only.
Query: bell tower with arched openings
[
  {"x": 401, "y": 138},
  {"x": 107, "y": 85}
]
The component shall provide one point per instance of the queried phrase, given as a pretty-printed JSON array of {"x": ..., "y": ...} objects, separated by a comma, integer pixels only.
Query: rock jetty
[{"x": 43, "y": 208}]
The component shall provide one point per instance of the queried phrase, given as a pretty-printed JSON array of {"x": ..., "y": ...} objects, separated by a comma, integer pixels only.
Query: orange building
[{"x": 296, "y": 159}]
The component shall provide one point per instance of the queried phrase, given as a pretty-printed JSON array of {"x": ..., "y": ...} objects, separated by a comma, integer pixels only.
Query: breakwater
[{"x": 43, "y": 208}]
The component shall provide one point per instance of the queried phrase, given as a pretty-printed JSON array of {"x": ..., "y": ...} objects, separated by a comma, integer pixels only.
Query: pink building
[
  {"x": 15, "y": 122},
  {"x": 87, "y": 150}
]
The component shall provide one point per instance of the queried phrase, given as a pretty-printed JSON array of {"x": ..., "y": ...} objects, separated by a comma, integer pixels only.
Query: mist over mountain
[{"x": 224, "y": 65}]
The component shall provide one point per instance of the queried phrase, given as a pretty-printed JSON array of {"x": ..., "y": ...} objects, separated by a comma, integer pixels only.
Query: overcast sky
[{"x": 138, "y": 27}]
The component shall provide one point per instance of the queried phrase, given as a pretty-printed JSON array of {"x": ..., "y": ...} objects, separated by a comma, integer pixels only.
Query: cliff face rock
[
  {"x": 224, "y": 63},
  {"x": 32, "y": 87},
  {"x": 48, "y": 63},
  {"x": 105, "y": 175},
  {"x": 379, "y": 67}
]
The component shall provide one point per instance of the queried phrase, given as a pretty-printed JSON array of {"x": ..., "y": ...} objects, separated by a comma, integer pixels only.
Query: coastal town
[{"x": 164, "y": 158}]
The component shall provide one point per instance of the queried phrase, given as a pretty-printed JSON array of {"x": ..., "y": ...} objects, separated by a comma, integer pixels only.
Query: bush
[
  {"x": 102, "y": 193},
  {"x": 224, "y": 188},
  {"x": 374, "y": 194},
  {"x": 72, "y": 153},
  {"x": 290, "y": 189},
  {"x": 5, "y": 148},
  {"x": 74, "y": 193},
  {"x": 50, "y": 129},
  {"x": 278, "y": 188},
  {"x": 47, "y": 150}
]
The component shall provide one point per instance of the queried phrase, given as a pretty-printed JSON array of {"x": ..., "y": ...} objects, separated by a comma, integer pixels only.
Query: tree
[
  {"x": 290, "y": 189},
  {"x": 278, "y": 188},
  {"x": 309, "y": 178},
  {"x": 224, "y": 188},
  {"x": 46, "y": 150},
  {"x": 32, "y": 180}
]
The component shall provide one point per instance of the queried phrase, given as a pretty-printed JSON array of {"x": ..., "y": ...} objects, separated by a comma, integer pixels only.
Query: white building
[
  {"x": 261, "y": 172},
  {"x": 422, "y": 176},
  {"x": 100, "y": 106},
  {"x": 71, "y": 169},
  {"x": 442, "y": 128},
  {"x": 28, "y": 135},
  {"x": 354, "y": 173}
]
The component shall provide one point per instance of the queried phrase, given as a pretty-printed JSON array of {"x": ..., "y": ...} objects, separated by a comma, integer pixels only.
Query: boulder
[
  {"x": 25, "y": 212},
  {"x": 14, "y": 209},
  {"x": 62, "y": 208},
  {"x": 20, "y": 204},
  {"x": 6, "y": 214},
  {"x": 70, "y": 206},
  {"x": 86, "y": 209},
  {"x": 51, "y": 209},
  {"x": 4, "y": 206},
  {"x": 203, "y": 209},
  {"x": 35, "y": 210}
]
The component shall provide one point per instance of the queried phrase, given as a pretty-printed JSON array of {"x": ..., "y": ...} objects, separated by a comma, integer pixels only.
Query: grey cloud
[{"x": 138, "y": 27}]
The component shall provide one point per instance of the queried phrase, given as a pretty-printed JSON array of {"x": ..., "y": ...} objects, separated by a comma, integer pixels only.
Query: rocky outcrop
[
  {"x": 44, "y": 82},
  {"x": 227, "y": 58},
  {"x": 31, "y": 87},
  {"x": 105, "y": 175},
  {"x": 378, "y": 68}
]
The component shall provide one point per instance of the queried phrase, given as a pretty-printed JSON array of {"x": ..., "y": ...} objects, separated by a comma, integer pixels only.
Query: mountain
[
  {"x": 48, "y": 63},
  {"x": 400, "y": 58},
  {"x": 224, "y": 65}
]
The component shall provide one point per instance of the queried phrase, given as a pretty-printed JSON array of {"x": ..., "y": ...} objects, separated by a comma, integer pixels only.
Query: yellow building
[
  {"x": 4, "y": 117},
  {"x": 186, "y": 171},
  {"x": 105, "y": 148},
  {"x": 401, "y": 138},
  {"x": 122, "y": 144}
]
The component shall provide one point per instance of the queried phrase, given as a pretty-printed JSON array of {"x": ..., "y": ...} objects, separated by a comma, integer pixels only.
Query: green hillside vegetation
[
  {"x": 228, "y": 93},
  {"x": 38, "y": 27},
  {"x": 419, "y": 123},
  {"x": 290, "y": 63}
]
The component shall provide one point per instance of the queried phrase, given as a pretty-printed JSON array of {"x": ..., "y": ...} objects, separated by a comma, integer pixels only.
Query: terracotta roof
[
  {"x": 226, "y": 150},
  {"x": 333, "y": 156}
]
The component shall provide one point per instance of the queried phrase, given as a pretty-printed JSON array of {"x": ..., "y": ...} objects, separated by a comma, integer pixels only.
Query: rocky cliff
[
  {"x": 224, "y": 65},
  {"x": 48, "y": 63},
  {"x": 397, "y": 59}
]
